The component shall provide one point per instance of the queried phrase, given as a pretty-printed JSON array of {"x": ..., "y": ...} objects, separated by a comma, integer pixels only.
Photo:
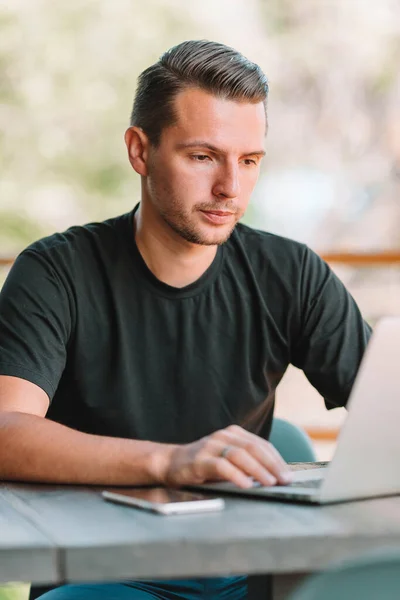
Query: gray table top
[{"x": 53, "y": 533}]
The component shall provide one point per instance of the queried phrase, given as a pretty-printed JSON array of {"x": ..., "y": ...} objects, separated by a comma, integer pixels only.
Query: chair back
[
  {"x": 371, "y": 577},
  {"x": 292, "y": 442}
]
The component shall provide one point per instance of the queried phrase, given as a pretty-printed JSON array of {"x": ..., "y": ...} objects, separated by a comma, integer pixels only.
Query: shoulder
[
  {"x": 279, "y": 259},
  {"x": 269, "y": 248},
  {"x": 79, "y": 243},
  {"x": 258, "y": 237},
  {"x": 79, "y": 236}
]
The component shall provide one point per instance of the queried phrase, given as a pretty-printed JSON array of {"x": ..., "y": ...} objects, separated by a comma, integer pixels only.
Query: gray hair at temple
[{"x": 209, "y": 66}]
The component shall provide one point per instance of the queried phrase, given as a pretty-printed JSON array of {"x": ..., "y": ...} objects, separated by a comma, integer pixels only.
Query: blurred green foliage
[
  {"x": 17, "y": 231},
  {"x": 66, "y": 94},
  {"x": 14, "y": 592}
]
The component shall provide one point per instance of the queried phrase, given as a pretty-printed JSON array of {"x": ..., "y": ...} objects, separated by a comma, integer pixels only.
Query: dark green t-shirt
[{"x": 120, "y": 353}]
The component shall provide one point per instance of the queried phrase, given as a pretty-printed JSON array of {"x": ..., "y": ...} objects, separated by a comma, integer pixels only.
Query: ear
[{"x": 137, "y": 144}]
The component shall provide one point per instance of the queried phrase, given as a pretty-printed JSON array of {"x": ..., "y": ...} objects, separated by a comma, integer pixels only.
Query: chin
[
  {"x": 215, "y": 238},
  {"x": 201, "y": 234}
]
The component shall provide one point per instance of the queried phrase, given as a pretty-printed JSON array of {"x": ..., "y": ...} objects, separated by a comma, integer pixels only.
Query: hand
[{"x": 231, "y": 454}]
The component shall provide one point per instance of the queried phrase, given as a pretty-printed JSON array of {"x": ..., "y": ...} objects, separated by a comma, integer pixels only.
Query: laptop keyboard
[{"x": 311, "y": 483}]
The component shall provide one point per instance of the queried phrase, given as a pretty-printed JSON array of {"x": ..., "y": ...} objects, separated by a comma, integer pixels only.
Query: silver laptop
[{"x": 366, "y": 463}]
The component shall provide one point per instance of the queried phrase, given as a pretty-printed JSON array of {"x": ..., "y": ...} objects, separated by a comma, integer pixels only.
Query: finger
[
  {"x": 251, "y": 466},
  {"x": 265, "y": 443},
  {"x": 237, "y": 430},
  {"x": 266, "y": 457},
  {"x": 263, "y": 452},
  {"x": 281, "y": 461},
  {"x": 217, "y": 468},
  {"x": 267, "y": 454}
]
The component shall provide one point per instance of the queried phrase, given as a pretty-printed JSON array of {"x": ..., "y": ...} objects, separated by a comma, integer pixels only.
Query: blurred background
[{"x": 331, "y": 177}]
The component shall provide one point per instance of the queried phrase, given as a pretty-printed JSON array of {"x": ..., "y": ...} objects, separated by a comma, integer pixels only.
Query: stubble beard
[
  {"x": 191, "y": 234},
  {"x": 179, "y": 222},
  {"x": 174, "y": 215}
]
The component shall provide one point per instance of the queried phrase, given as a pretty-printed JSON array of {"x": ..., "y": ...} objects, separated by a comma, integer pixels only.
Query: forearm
[{"x": 36, "y": 449}]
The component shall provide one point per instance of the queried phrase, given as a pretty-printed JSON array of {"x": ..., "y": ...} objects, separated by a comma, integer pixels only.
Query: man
[{"x": 153, "y": 342}]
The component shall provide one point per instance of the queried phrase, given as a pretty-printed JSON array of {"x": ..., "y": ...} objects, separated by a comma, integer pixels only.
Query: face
[{"x": 204, "y": 170}]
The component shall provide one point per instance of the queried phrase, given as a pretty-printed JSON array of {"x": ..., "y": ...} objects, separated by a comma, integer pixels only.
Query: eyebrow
[{"x": 202, "y": 144}]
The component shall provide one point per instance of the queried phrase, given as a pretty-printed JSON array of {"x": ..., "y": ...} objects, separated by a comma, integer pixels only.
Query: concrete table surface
[
  {"x": 54, "y": 533},
  {"x": 26, "y": 553}
]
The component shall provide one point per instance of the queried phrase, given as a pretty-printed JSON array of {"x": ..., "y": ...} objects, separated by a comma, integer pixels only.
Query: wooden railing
[
  {"x": 352, "y": 259},
  {"x": 363, "y": 259},
  {"x": 6, "y": 261}
]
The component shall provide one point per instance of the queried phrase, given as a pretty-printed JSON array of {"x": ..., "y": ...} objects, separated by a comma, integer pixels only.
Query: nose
[{"x": 227, "y": 184}]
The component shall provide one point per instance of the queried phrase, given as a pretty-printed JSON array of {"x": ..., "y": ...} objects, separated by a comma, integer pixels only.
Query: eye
[
  {"x": 250, "y": 161},
  {"x": 200, "y": 157}
]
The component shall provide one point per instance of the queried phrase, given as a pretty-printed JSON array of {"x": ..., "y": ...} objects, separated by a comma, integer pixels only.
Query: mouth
[{"x": 218, "y": 217}]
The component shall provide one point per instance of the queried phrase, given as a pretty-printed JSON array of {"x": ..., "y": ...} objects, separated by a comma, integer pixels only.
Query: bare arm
[{"x": 33, "y": 448}]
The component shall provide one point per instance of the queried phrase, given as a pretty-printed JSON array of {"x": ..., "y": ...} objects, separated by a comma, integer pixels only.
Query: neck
[{"x": 169, "y": 257}]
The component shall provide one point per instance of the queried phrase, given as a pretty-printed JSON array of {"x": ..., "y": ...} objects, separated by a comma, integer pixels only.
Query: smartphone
[{"x": 164, "y": 501}]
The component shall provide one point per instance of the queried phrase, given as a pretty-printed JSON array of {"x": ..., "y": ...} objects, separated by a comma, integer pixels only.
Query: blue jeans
[{"x": 216, "y": 588}]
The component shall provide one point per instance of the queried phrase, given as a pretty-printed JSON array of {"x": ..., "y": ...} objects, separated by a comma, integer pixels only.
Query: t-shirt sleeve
[
  {"x": 333, "y": 335},
  {"x": 35, "y": 322}
]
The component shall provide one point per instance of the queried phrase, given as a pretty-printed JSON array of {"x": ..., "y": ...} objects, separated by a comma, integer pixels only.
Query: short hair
[{"x": 210, "y": 66}]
